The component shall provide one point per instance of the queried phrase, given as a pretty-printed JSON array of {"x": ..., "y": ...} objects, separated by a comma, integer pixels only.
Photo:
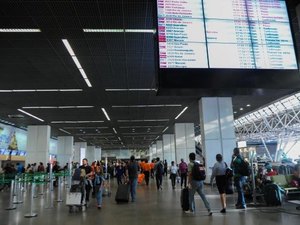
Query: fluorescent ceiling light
[
  {"x": 11, "y": 30},
  {"x": 126, "y": 127},
  {"x": 119, "y": 30},
  {"x": 103, "y": 30},
  {"x": 140, "y": 31},
  {"x": 105, "y": 113},
  {"x": 27, "y": 113},
  {"x": 73, "y": 121},
  {"x": 39, "y": 90},
  {"x": 115, "y": 130},
  {"x": 119, "y": 138},
  {"x": 64, "y": 131},
  {"x": 130, "y": 89},
  {"x": 149, "y": 120},
  {"x": 181, "y": 113},
  {"x": 145, "y": 106},
  {"x": 68, "y": 47},
  {"x": 87, "y": 81},
  {"x": 81, "y": 139},
  {"x": 156, "y": 137},
  {"x": 83, "y": 73},
  {"x": 165, "y": 129},
  {"x": 57, "y": 107},
  {"x": 84, "y": 128},
  {"x": 76, "y": 61}
]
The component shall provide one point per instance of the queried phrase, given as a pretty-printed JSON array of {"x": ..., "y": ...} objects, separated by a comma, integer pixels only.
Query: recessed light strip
[
  {"x": 73, "y": 121},
  {"x": 27, "y": 113},
  {"x": 57, "y": 107},
  {"x": 64, "y": 131},
  {"x": 105, "y": 113},
  {"x": 12, "y": 30},
  {"x": 76, "y": 61},
  {"x": 115, "y": 130},
  {"x": 148, "y": 120},
  {"x": 81, "y": 139},
  {"x": 181, "y": 113},
  {"x": 119, "y": 30},
  {"x": 130, "y": 89},
  {"x": 40, "y": 90},
  {"x": 145, "y": 106},
  {"x": 165, "y": 129}
]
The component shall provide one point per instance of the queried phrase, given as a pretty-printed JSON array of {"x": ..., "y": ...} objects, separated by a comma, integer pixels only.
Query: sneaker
[
  {"x": 223, "y": 210},
  {"x": 189, "y": 212},
  {"x": 99, "y": 207},
  {"x": 209, "y": 213},
  {"x": 241, "y": 207}
]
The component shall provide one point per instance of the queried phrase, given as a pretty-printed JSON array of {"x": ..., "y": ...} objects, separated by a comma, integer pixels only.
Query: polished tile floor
[{"x": 151, "y": 207}]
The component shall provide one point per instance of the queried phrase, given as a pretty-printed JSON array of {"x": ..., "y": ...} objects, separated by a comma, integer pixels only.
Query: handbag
[{"x": 228, "y": 172}]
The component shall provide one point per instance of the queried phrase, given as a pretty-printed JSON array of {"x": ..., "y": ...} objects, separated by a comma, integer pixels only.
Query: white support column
[
  {"x": 184, "y": 141},
  {"x": 98, "y": 154},
  {"x": 79, "y": 151},
  {"x": 159, "y": 150},
  {"x": 64, "y": 149},
  {"x": 169, "y": 148},
  {"x": 90, "y": 154},
  {"x": 217, "y": 129},
  {"x": 38, "y": 143},
  {"x": 154, "y": 155}
]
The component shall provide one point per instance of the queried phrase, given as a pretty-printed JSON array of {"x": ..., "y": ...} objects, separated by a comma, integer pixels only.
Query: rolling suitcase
[
  {"x": 184, "y": 199},
  {"x": 122, "y": 194},
  {"x": 272, "y": 195}
]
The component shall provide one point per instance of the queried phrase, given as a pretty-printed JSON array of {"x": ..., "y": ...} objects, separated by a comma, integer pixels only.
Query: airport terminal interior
[{"x": 99, "y": 98}]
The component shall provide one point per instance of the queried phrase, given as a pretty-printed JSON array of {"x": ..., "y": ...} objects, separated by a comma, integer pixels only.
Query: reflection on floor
[{"x": 151, "y": 207}]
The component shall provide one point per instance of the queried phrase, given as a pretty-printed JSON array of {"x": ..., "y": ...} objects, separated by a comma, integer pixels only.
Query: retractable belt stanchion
[
  {"x": 31, "y": 213},
  {"x": 50, "y": 206},
  {"x": 59, "y": 199},
  {"x": 17, "y": 191},
  {"x": 11, "y": 204}
]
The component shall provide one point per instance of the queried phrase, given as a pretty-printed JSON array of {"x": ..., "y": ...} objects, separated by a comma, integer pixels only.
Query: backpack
[
  {"x": 160, "y": 169},
  {"x": 273, "y": 195},
  {"x": 198, "y": 172},
  {"x": 76, "y": 175},
  {"x": 244, "y": 169}
]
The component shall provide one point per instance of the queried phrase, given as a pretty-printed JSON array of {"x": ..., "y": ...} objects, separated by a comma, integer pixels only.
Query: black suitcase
[
  {"x": 122, "y": 194},
  {"x": 272, "y": 195},
  {"x": 184, "y": 199}
]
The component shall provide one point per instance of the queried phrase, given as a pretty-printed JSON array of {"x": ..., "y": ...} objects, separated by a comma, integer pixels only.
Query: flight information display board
[{"x": 238, "y": 34}]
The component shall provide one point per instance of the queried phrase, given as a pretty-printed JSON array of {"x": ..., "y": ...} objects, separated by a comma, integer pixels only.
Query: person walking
[
  {"x": 183, "y": 169},
  {"x": 147, "y": 169},
  {"x": 238, "y": 178},
  {"x": 99, "y": 184},
  {"x": 88, "y": 179},
  {"x": 132, "y": 174},
  {"x": 173, "y": 173},
  {"x": 165, "y": 168},
  {"x": 196, "y": 176},
  {"x": 218, "y": 172},
  {"x": 159, "y": 171}
]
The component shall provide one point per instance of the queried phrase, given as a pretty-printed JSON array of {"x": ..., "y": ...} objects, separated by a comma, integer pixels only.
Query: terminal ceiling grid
[{"x": 111, "y": 60}]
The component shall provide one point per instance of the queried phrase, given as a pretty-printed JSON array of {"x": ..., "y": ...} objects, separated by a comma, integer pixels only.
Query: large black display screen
[{"x": 223, "y": 34}]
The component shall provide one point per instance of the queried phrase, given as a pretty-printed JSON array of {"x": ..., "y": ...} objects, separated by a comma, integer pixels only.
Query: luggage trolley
[{"x": 75, "y": 198}]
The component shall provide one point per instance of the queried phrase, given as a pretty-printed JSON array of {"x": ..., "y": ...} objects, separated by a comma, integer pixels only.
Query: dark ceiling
[{"x": 110, "y": 60}]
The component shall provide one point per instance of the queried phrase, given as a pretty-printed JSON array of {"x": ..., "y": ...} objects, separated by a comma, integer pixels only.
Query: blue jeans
[
  {"x": 197, "y": 186},
  {"x": 99, "y": 196},
  {"x": 133, "y": 185},
  {"x": 238, "y": 183}
]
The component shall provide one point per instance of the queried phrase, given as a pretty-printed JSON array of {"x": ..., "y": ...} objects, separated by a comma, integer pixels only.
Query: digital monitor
[
  {"x": 247, "y": 34},
  {"x": 224, "y": 37}
]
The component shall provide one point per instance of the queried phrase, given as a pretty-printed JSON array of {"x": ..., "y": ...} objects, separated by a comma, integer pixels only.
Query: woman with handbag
[{"x": 219, "y": 172}]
